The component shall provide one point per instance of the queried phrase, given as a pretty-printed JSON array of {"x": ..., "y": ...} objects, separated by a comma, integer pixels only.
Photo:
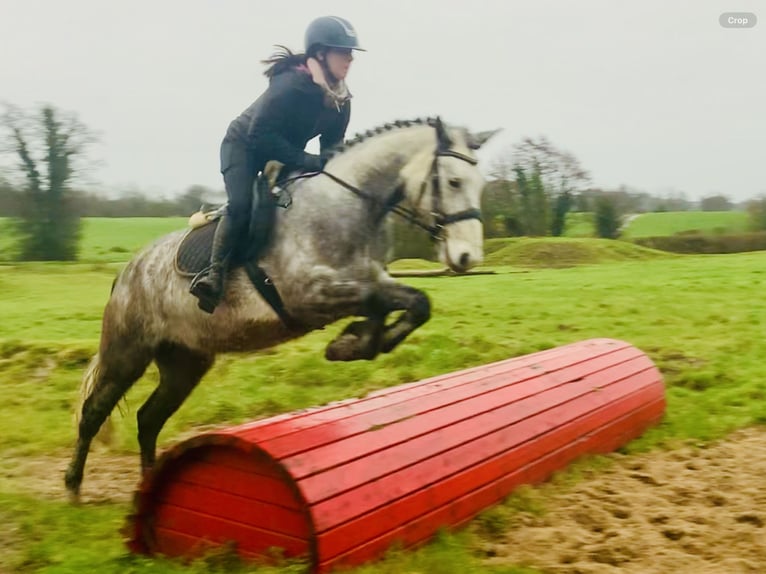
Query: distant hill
[{"x": 562, "y": 252}]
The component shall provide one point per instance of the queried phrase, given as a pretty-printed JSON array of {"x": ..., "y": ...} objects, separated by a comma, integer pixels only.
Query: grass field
[
  {"x": 700, "y": 318},
  {"x": 109, "y": 239},
  {"x": 667, "y": 223},
  {"x": 579, "y": 224},
  {"x": 670, "y": 223}
]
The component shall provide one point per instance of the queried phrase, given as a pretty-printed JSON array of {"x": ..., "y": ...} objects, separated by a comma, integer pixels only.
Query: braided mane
[{"x": 390, "y": 126}]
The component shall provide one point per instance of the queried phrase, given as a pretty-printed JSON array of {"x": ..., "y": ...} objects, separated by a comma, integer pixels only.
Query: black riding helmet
[{"x": 330, "y": 32}]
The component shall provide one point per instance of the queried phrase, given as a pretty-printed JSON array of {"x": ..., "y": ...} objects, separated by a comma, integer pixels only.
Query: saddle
[{"x": 193, "y": 252}]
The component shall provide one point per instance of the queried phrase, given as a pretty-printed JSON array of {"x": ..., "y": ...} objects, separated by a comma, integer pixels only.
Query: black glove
[{"x": 313, "y": 162}]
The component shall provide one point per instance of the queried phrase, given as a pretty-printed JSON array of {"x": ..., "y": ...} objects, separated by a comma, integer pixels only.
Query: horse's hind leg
[
  {"x": 180, "y": 371},
  {"x": 111, "y": 373}
]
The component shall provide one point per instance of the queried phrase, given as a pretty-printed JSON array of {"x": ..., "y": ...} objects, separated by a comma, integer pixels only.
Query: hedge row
[{"x": 703, "y": 243}]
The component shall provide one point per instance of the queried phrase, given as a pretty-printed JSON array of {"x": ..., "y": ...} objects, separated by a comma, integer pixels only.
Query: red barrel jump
[{"x": 340, "y": 483}]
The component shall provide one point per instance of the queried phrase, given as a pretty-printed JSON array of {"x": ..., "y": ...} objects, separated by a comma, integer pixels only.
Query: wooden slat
[
  {"x": 214, "y": 502},
  {"x": 321, "y": 486},
  {"x": 562, "y": 369},
  {"x": 240, "y": 483},
  {"x": 472, "y": 464},
  {"x": 580, "y": 350},
  {"x": 179, "y": 544},
  {"x": 407, "y": 428},
  {"x": 249, "y": 459},
  {"x": 220, "y": 531},
  {"x": 286, "y": 424},
  {"x": 457, "y": 512}
]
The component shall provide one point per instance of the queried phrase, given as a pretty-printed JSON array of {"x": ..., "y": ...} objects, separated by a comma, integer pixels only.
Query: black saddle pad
[{"x": 193, "y": 253}]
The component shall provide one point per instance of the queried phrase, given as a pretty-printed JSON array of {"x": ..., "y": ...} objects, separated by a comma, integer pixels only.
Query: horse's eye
[{"x": 455, "y": 183}]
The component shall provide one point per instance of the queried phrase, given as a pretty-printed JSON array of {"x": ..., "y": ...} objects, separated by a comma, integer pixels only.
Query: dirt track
[{"x": 693, "y": 510}]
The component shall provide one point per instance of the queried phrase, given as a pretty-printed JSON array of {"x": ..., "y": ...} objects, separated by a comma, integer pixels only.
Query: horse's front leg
[
  {"x": 417, "y": 310},
  {"x": 365, "y": 339},
  {"x": 359, "y": 340}
]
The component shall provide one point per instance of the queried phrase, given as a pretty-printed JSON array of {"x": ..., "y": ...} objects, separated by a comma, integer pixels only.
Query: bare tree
[
  {"x": 560, "y": 172},
  {"x": 50, "y": 147}
]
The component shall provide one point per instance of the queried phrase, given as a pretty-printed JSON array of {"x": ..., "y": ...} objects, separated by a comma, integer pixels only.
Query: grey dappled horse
[{"x": 319, "y": 259}]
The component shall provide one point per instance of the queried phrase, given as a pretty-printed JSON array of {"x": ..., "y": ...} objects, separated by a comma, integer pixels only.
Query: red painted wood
[
  {"x": 343, "y": 481},
  {"x": 231, "y": 457},
  {"x": 359, "y": 471},
  {"x": 461, "y": 510},
  {"x": 219, "y": 530},
  {"x": 466, "y": 389},
  {"x": 468, "y": 472},
  {"x": 178, "y": 544},
  {"x": 286, "y": 424},
  {"x": 214, "y": 502},
  {"x": 241, "y": 483}
]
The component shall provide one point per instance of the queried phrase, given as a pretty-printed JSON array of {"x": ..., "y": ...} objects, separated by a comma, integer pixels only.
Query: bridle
[
  {"x": 436, "y": 230},
  {"x": 440, "y": 218}
]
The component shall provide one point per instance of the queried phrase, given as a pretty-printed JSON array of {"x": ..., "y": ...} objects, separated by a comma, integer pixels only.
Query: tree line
[
  {"x": 532, "y": 189},
  {"x": 127, "y": 204}
]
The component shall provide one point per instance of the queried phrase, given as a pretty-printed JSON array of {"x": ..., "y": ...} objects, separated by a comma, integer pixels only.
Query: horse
[{"x": 321, "y": 258}]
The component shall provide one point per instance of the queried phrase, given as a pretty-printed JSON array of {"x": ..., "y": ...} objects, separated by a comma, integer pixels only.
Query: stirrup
[
  {"x": 208, "y": 298},
  {"x": 207, "y": 305}
]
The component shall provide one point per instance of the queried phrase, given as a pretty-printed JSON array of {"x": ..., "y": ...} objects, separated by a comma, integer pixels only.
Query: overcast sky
[{"x": 653, "y": 94}]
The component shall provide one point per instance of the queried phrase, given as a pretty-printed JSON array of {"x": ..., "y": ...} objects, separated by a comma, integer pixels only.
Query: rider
[{"x": 307, "y": 97}]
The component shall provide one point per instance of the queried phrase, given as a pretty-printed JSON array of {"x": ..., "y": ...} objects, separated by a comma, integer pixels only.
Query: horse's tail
[{"x": 90, "y": 380}]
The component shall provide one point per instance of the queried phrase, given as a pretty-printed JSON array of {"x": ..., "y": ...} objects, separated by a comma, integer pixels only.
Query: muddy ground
[{"x": 698, "y": 509}]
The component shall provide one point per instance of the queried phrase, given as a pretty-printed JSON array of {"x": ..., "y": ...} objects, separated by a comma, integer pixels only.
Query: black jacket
[{"x": 279, "y": 124}]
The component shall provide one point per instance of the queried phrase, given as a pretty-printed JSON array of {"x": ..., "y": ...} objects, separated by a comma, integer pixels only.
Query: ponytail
[{"x": 281, "y": 60}]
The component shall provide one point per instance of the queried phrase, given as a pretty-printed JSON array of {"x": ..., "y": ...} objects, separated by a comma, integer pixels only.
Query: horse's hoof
[
  {"x": 73, "y": 492},
  {"x": 347, "y": 348}
]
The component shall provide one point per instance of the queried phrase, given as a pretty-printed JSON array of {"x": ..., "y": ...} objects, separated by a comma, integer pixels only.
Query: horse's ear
[
  {"x": 475, "y": 141},
  {"x": 442, "y": 137}
]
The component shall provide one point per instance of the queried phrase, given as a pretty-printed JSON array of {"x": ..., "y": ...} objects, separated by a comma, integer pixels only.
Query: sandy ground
[
  {"x": 695, "y": 510},
  {"x": 699, "y": 509},
  {"x": 108, "y": 477}
]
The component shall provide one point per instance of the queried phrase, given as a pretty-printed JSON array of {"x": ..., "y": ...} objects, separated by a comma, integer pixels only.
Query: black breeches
[{"x": 239, "y": 173}]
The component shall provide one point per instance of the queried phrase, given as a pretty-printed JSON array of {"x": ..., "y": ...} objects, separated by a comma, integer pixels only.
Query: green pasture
[
  {"x": 107, "y": 239},
  {"x": 673, "y": 222},
  {"x": 700, "y": 318},
  {"x": 579, "y": 224}
]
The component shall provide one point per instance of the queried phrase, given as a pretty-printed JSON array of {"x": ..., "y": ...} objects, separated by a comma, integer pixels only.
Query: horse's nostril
[{"x": 465, "y": 259}]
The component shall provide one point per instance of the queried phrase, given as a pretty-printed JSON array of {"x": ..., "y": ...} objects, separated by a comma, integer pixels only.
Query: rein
[{"x": 441, "y": 219}]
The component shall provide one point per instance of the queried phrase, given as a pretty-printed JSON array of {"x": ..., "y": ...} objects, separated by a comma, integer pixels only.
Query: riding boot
[{"x": 208, "y": 284}]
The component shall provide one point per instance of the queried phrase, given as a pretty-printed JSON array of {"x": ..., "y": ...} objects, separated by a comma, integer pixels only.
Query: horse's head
[{"x": 444, "y": 186}]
